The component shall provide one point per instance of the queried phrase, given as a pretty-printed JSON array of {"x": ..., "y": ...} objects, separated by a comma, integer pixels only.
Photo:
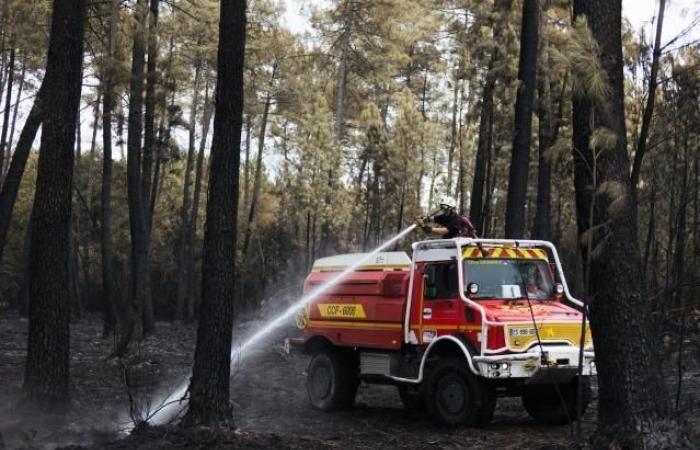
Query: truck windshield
[{"x": 509, "y": 278}]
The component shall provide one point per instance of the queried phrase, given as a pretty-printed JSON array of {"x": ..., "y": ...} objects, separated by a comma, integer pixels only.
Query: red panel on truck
[{"x": 365, "y": 309}]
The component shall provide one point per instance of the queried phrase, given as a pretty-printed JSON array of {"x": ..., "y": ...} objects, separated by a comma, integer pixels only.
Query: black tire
[
  {"x": 331, "y": 381},
  {"x": 545, "y": 405},
  {"x": 452, "y": 394},
  {"x": 412, "y": 397}
]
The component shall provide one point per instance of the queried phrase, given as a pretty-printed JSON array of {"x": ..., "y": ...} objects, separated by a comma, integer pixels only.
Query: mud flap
[{"x": 553, "y": 375}]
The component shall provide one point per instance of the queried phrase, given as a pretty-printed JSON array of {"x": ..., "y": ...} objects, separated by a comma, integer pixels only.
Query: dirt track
[{"x": 268, "y": 396}]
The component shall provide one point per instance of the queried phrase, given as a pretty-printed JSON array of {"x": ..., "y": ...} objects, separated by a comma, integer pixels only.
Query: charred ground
[{"x": 269, "y": 398}]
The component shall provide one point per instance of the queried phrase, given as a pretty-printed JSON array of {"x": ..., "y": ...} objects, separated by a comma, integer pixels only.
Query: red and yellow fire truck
[{"x": 461, "y": 323}]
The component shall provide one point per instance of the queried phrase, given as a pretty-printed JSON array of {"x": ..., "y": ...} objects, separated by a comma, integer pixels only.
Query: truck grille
[{"x": 375, "y": 364}]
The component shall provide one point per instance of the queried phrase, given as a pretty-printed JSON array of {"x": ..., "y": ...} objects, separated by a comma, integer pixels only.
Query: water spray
[{"x": 171, "y": 407}]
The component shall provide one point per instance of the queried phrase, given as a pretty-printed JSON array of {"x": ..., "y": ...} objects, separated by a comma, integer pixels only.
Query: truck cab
[{"x": 457, "y": 325}]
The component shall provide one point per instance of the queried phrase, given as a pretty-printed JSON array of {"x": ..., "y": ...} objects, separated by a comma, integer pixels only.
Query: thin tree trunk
[
  {"x": 8, "y": 104},
  {"x": 140, "y": 289},
  {"x": 192, "y": 229},
  {"x": 257, "y": 177},
  {"x": 149, "y": 129},
  {"x": 185, "y": 211},
  {"x": 8, "y": 154},
  {"x": 484, "y": 141},
  {"x": 210, "y": 383},
  {"x": 110, "y": 311},
  {"x": 46, "y": 375},
  {"x": 453, "y": 134},
  {"x": 651, "y": 98},
  {"x": 541, "y": 227},
  {"x": 524, "y": 102},
  {"x": 246, "y": 167}
]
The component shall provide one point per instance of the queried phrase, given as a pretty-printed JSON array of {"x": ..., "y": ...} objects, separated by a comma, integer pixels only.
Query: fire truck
[{"x": 456, "y": 326}]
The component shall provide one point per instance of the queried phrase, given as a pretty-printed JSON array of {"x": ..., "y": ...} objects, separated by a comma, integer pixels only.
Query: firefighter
[{"x": 450, "y": 223}]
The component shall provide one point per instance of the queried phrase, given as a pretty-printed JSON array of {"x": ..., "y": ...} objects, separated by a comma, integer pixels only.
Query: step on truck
[{"x": 461, "y": 323}]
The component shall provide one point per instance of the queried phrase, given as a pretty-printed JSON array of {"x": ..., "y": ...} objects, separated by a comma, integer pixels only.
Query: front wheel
[
  {"x": 556, "y": 404},
  {"x": 332, "y": 381},
  {"x": 452, "y": 394}
]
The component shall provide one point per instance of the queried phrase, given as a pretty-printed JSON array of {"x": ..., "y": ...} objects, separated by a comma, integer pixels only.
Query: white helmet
[{"x": 448, "y": 202}]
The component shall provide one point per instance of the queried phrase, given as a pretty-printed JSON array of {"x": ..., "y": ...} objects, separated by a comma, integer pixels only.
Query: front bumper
[{"x": 555, "y": 364}]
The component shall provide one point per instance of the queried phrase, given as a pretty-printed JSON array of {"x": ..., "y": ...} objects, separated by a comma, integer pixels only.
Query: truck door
[{"x": 440, "y": 300}]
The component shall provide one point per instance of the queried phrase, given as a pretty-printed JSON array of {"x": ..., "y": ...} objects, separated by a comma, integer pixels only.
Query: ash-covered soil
[{"x": 268, "y": 393}]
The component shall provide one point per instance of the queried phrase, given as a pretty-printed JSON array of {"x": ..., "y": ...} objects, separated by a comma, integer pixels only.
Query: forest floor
[{"x": 269, "y": 397}]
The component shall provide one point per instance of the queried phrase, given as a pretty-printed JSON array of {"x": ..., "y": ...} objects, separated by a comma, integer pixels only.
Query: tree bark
[
  {"x": 209, "y": 387},
  {"x": 110, "y": 311},
  {"x": 520, "y": 156},
  {"x": 484, "y": 141},
  {"x": 192, "y": 229},
  {"x": 8, "y": 154},
  {"x": 257, "y": 177},
  {"x": 8, "y": 104},
  {"x": 634, "y": 408},
  {"x": 149, "y": 129},
  {"x": 185, "y": 211},
  {"x": 10, "y": 185},
  {"x": 541, "y": 226},
  {"x": 46, "y": 374},
  {"x": 140, "y": 287}
]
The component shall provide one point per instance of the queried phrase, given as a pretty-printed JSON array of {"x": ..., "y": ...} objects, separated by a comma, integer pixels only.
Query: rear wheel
[
  {"x": 332, "y": 381},
  {"x": 453, "y": 395},
  {"x": 412, "y": 397},
  {"x": 545, "y": 404}
]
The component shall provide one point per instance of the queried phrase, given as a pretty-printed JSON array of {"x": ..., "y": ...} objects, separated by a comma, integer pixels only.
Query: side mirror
[
  {"x": 559, "y": 290},
  {"x": 472, "y": 289}
]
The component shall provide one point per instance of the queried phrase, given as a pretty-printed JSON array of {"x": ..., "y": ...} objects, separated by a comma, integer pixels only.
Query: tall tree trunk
[
  {"x": 541, "y": 226},
  {"x": 484, "y": 141},
  {"x": 149, "y": 129},
  {"x": 632, "y": 393},
  {"x": 185, "y": 211},
  {"x": 8, "y": 154},
  {"x": 257, "y": 177},
  {"x": 110, "y": 311},
  {"x": 209, "y": 387},
  {"x": 453, "y": 133},
  {"x": 651, "y": 99},
  {"x": 192, "y": 229},
  {"x": 524, "y": 102},
  {"x": 46, "y": 371},
  {"x": 10, "y": 185},
  {"x": 140, "y": 289},
  {"x": 8, "y": 107}
]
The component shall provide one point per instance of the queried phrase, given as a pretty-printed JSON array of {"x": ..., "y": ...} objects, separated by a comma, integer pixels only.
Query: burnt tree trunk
[
  {"x": 209, "y": 386},
  {"x": 8, "y": 104},
  {"x": 149, "y": 118},
  {"x": 192, "y": 229},
  {"x": 140, "y": 289},
  {"x": 109, "y": 298},
  {"x": 484, "y": 141},
  {"x": 46, "y": 374},
  {"x": 634, "y": 407},
  {"x": 185, "y": 211},
  {"x": 520, "y": 156},
  {"x": 10, "y": 185},
  {"x": 541, "y": 226}
]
